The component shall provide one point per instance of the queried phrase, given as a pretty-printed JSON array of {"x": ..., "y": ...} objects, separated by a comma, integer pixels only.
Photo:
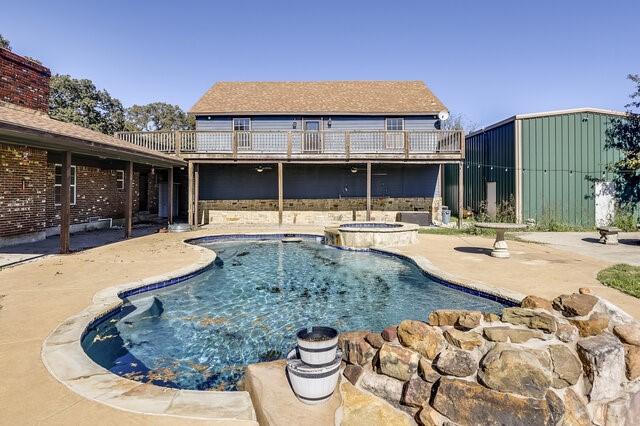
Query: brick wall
[
  {"x": 97, "y": 195},
  {"x": 23, "y": 82},
  {"x": 23, "y": 189},
  {"x": 323, "y": 204}
]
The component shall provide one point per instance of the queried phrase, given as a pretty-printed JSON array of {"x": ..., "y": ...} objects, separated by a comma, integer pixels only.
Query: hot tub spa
[{"x": 371, "y": 234}]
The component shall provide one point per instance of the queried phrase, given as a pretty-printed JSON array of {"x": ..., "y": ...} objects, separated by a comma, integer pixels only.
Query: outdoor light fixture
[
  {"x": 259, "y": 169},
  {"x": 329, "y": 124},
  {"x": 295, "y": 124},
  {"x": 354, "y": 170},
  {"x": 153, "y": 171}
]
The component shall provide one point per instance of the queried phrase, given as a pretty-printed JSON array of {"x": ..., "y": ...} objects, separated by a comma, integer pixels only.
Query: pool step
[{"x": 149, "y": 307}]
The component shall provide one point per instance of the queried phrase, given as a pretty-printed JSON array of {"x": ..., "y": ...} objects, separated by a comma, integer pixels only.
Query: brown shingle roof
[
  {"x": 14, "y": 118},
  {"x": 319, "y": 97}
]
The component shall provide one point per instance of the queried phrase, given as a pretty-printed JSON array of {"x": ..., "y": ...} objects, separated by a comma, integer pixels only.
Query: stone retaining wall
[
  {"x": 314, "y": 211},
  {"x": 573, "y": 361}
]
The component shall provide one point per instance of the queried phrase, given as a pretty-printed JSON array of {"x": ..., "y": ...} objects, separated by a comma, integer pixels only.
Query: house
[
  {"x": 56, "y": 177},
  {"x": 542, "y": 163},
  {"x": 313, "y": 152}
]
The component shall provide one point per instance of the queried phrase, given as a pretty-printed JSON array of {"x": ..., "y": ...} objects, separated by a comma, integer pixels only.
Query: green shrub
[{"x": 625, "y": 220}]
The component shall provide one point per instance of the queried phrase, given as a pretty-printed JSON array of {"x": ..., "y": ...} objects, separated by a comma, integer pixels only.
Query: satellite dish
[{"x": 443, "y": 115}]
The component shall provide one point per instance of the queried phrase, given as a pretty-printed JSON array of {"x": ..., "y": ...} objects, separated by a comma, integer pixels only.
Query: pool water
[{"x": 202, "y": 333}]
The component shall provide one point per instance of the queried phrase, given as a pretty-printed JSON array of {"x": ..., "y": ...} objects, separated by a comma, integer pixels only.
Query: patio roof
[
  {"x": 319, "y": 98},
  {"x": 19, "y": 125}
]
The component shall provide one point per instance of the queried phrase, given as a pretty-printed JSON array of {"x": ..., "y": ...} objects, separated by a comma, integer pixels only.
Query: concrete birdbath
[{"x": 500, "y": 248}]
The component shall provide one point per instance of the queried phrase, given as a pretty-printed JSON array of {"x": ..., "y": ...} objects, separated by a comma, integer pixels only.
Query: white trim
[
  {"x": 548, "y": 114},
  {"x": 74, "y": 184},
  {"x": 518, "y": 169}
]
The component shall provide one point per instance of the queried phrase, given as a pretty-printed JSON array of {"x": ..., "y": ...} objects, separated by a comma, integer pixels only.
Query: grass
[
  {"x": 469, "y": 229},
  {"x": 623, "y": 277}
]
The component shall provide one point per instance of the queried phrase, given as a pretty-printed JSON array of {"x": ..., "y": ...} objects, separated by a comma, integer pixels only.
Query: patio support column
[
  {"x": 460, "y": 193},
  {"x": 170, "y": 196},
  {"x": 190, "y": 192},
  {"x": 280, "y": 194},
  {"x": 196, "y": 195},
  {"x": 65, "y": 203},
  {"x": 128, "y": 206},
  {"x": 368, "y": 191}
]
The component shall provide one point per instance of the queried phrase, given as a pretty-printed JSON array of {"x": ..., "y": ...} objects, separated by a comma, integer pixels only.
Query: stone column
[
  {"x": 128, "y": 206},
  {"x": 65, "y": 203},
  {"x": 368, "y": 191}
]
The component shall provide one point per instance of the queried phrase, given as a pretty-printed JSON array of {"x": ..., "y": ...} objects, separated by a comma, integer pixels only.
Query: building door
[
  {"x": 312, "y": 139},
  {"x": 605, "y": 203},
  {"x": 163, "y": 195},
  {"x": 143, "y": 192}
]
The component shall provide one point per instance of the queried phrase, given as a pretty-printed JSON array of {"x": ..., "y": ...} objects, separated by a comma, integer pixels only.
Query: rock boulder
[
  {"x": 566, "y": 366},
  {"x": 426, "y": 340},
  {"x": 532, "y": 319},
  {"x": 398, "y": 362},
  {"x": 575, "y": 305},
  {"x": 603, "y": 364},
  {"x": 467, "y": 340},
  {"x": 456, "y": 362},
  {"x": 355, "y": 348}
]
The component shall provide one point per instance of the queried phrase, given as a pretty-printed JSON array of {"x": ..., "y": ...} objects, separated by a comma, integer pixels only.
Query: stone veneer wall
[
  {"x": 314, "y": 211},
  {"x": 573, "y": 361}
]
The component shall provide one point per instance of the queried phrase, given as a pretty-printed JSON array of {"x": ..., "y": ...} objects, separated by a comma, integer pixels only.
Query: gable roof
[
  {"x": 549, "y": 114},
  {"x": 319, "y": 97},
  {"x": 26, "y": 125}
]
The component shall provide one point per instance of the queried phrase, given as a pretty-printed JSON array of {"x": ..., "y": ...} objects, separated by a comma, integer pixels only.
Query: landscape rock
[
  {"x": 426, "y": 340},
  {"x": 417, "y": 392},
  {"x": 468, "y": 403},
  {"x": 455, "y": 317},
  {"x": 555, "y": 407},
  {"x": 628, "y": 333},
  {"x": 426, "y": 371},
  {"x": 360, "y": 408},
  {"x": 355, "y": 348},
  {"x": 398, "y": 362},
  {"x": 385, "y": 387},
  {"x": 584, "y": 290},
  {"x": 603, "y": 364},
  {"x": 390, "y": 333},
  {"x": 566, "y": 332},
  {"x": 467, "y": 340},
  {"x": 592, "y": 326},
  {"x": 490, "y": 317},
  {"x": 515, "y": 335},
  {"x": 426, "y": 416},
  {"x": 353, "y": 372},
  {"x": 632, "y": 361},
  {"x": 575, "y": 305},
  {"x": 567, "y": 368},
  {"x": 375, "y": 340},
  {"x": 456, "y": 362},
  {"x": 532, "y": 319},
  {"x": 509, "y": 369},
  {"x": 535, "y": 302},
  {"x": 575, "y": 410}
]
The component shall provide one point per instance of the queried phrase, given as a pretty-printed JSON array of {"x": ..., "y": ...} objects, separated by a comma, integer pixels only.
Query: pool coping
[{"x": 65, "y": 359}]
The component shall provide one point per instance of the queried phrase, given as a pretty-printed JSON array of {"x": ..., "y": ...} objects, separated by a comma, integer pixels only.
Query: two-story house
[{"x": 313, "y": 152}]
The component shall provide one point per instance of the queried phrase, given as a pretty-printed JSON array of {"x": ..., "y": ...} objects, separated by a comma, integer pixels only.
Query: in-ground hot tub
[{"x": 371, "y": 234}]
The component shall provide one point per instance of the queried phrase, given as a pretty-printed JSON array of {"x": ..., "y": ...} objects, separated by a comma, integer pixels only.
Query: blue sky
[{"x": 485, "y": 59}]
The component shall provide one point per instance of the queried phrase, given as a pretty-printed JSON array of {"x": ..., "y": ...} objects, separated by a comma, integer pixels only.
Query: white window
[
  {"x": 120, "y": 179},
  {"x": 242, "y": 124},
  {"x": 395, "y": 124},
  {"x": 58, "y": 184}
]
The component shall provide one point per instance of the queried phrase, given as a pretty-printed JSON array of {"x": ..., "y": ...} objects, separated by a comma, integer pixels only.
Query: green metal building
[{"x": 541, "y": 162}]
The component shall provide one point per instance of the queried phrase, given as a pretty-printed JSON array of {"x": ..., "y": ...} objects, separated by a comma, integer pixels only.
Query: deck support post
[
  {"x": 280, "y": 193},
  {"x": 128, "y": 205},
  {"x": 65, "y": 203},
  {"x": 190, "y": 185},
  {"x": 196, "y": 195},
  {"x": 170, "y": 196},
  {"x": 368, "y": 191},
  {"x": 460, "y": 193}
]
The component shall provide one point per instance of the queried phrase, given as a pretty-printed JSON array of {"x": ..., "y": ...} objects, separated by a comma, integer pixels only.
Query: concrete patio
[{"x": 35, "y": 297}]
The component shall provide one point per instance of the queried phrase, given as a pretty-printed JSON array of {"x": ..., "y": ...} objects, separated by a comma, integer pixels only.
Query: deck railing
[{"x": 334, "y": 143}]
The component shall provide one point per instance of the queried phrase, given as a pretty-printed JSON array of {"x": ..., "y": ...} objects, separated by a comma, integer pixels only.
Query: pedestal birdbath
[{"x": 500, "y": 248}]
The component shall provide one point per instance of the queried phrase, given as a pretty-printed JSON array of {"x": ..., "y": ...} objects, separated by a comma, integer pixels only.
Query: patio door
[{"x": 312, "y": 138}]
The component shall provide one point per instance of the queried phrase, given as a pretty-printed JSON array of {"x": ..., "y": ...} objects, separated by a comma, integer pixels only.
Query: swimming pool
[{"x": 246, "y": 308}]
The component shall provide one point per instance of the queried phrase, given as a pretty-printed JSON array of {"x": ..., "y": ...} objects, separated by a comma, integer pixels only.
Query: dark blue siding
[{"x": 239, "y": 182}]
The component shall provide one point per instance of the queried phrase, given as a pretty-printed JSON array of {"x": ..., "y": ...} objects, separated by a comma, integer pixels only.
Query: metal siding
[
  {"x": 216, "y": 123},
  {"x": 558, "y": 154}
]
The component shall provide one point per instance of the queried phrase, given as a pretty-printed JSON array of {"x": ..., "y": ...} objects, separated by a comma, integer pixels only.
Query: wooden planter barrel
[{"x": 317, "y": 346}]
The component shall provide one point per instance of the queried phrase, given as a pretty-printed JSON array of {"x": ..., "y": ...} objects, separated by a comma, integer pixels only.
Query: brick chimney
[{"x": 23, "y": 82}]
